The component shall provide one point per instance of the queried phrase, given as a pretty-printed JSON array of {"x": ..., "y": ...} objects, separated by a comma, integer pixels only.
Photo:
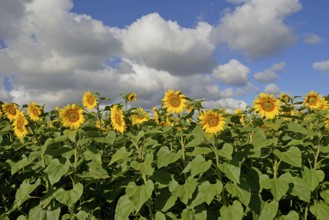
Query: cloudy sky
[{"x": 226, "y": 52}]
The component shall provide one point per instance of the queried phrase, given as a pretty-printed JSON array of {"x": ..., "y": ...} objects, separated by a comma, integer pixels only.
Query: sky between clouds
[{"x": 223, "y": 51}]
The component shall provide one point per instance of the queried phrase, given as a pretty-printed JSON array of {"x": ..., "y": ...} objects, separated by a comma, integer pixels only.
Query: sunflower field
[{"x": 177, "y": 161}]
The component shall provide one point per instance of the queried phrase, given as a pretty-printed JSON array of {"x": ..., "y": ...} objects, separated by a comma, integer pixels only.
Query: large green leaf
[
  {"x": 165, "y": 157},
  {"x": 320, "y": 211},
  {"x": 145, "y": 167},
  {"x": 231, "y": 170},
  {"x": 206, "y": 193},
  {"x": 312, "y": 177},
  {"x": 325, "y": 195},
  {"x": 232, "y": 212},
  {"x": 279, "y": 187},
  {"x": 293, "y": 156},
  {"x": 197, "y": 165},
  {"x": 269, "y": 211},
  {"x": 301, "y": 189},
  {"x": 138, "y": 195},
  {"x": 120, "y": 154},
  {"x": 185, "y": 191},
  {"x": 69, "y": 197},
  {"x": 124, "y": 208},
  {"x": 242, "y": 191},
  {"x": 259, "y": 140},
  {"x": 56, "y": 169},
  {"x": 195, "y": 142},
  {"x": 44, "y": 214},
  {"x": 24, "y": 191},
  {"x": 17, "y": 166},
  {"x": 292, "y": 215},
  {"x": 226, "y": 151}
]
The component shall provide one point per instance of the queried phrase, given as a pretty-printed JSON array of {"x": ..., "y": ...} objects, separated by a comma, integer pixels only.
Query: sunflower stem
[{"x": 317, "y": 154}]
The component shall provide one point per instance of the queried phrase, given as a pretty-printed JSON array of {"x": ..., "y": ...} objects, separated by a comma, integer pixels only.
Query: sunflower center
[
  {"x": 312, "y": 100},
  {"x": 35, "y": 111},
  {"x": 268, "y": 106},
  {"x": 12, "y": 111},
  {"x": 213, "y": 121},
  {"x": 73, "y": 116},
  {"x": 19, "y": 124},
  {"x": 118, "y": 119},
  {"x": 140, "y": 116},
  {"x": 90, "y": 100},
  {"x": 175, "y": 101}
]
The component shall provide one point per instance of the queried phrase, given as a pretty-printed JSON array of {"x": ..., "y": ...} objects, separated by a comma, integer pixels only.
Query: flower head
[
  {"x": 212, "y": 122},
  {"x": 19, "y": 123},
  {"x": 72, "y": 116},
  {"x": 89, "y": 100},
  {"x": 117, "y": 119},
  {"x": 34, "y": 111},
  {"x": 312, "y": 100},
  {"x": 174, "y": 102},
  {"x": 139, "y": 116},
  {"x": 10, "y": 110},
  {"x": 266, "y": 105}
]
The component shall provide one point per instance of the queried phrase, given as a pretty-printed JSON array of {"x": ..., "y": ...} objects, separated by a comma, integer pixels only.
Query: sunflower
[
  {"x": 324, "y": 105},
  {"x": 10, "y": 110},
  {"x": 19, "y": 123},
  {"x": 139, "y": 116},
  {"x": 239, "y": 113},
  {"x": 156, "y": 115},
  {"x": 89, "y": 100},
  {"x": 131, "y": 97},
  {"x": 312, "y": 100},
  {"x": 117, "y": 119},
  {"x": 266, "y": 105},
  {"x": 174, "y": 102},
  {"x": 285, "y": 98},
  {"x": 72, "y": 116},
  {"x": 212, "y": 122},
  {"x": 34, "y": 111},
  {"x": 326, "y": 121}
]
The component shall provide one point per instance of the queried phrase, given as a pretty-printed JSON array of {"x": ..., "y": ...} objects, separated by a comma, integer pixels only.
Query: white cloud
[
  {"x": 272, "y": 89},
  {"x": 234, "y": 73},
  {"x": 270, "y": 74},
  {"x": 236, "y": 1},
  {"x": 165, "y": 45},
  {"x": 229, "y": 104},
  {"x": 257, "y": 27},
  {"x": 312, "y": 39},
  {"x": 321, "y": 66}
]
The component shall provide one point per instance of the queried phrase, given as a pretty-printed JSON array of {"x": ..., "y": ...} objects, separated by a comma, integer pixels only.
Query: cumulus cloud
[
  {"x": 312, "y": 39},
  {"x": 272, "y": 89},
  {"x": 229, "y": 104},
  {"x": 234, "y": 73},
  {"x": 257, "y": 28},
  {"x": 270, "y": 74},
  {"x": 321, "y": 66}
]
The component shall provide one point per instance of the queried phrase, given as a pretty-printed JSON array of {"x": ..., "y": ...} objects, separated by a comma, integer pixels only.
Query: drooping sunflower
[
  {"x": 131, "y": 97},
  {"x": 212, "y": 122},
  {"x": 34, "y": 111},
  {"x": 10, "y": 110},
  {"x": 89, "y": 100},
  {"x": 117, "y": 119},
  {"x": 266, "y": 105},
  {"x": 312, "y": 100},
  {"x": 174, "y": 102},
  {"x": 139, "y": 116},
  {"x": 284, "y": 98},
  {"x": 19, "y": 123},
  {"x": 72, "y": 116}
]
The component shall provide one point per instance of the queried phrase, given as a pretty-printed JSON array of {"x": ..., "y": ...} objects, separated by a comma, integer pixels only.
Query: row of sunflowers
[{"x": 177, "y": 160}]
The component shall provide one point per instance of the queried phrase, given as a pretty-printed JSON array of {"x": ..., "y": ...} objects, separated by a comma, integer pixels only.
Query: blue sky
[{"x": 224, "y": 51}]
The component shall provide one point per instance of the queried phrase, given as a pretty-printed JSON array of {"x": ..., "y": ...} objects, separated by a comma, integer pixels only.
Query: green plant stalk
[
  {"x": 76, "y": 157},
  {"x": 317, "y": 154},
  {"x": 218, "y": 171},
  {"x": 306, "y": 212}
]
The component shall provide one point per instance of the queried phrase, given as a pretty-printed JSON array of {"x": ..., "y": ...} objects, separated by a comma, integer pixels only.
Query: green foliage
[{"x": 254, "y": 169}]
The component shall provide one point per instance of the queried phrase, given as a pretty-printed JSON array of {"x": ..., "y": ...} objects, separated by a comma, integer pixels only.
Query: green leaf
[
  {"x": 231, "y": 170},
  {"x": 242, "y": 191},
  {"x": 17, "y": 166},
  {"x": 273, "y": 125},
  {"x": 232, "y": 212},
  {"x": 160, "y": 216},
  {"x": 325, "y": 195},
  {"x": 124, "y": 208},
  {"x": 320, "y": 211},
  {"x": 197, "y": 165},
  {"x": 301, "y": 189},
  {"x": 69, "y": 197},
  {"x": 297, "y": 128},
  {"x": 185, "y": 191},
  {"x": 56, "y": 169},
  {"x": 269, "y": 211},
  {"x": 226, "y": 151},
  {"x": 120, "y": 154},
  {"x": 279, "y": 188},
  {"x": 165, "y": 157},
  {"x": 43, "y": 214},
  {"x": 195, "y": 142},
  {"x": 95, "y": 171},
  {"x": 293, "y": 156},
  {"x": 259, "y": 140},
  {"x": 206, "y": 193},
  {"x": 24, "y": 191},
  {"x": 292, "y": 215},
  {"x": 295, "y": 142},
  {"x": 312, "y": 177},
  {"x": 139, "y": 194},
  {"x": 145, "y": 167}
]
